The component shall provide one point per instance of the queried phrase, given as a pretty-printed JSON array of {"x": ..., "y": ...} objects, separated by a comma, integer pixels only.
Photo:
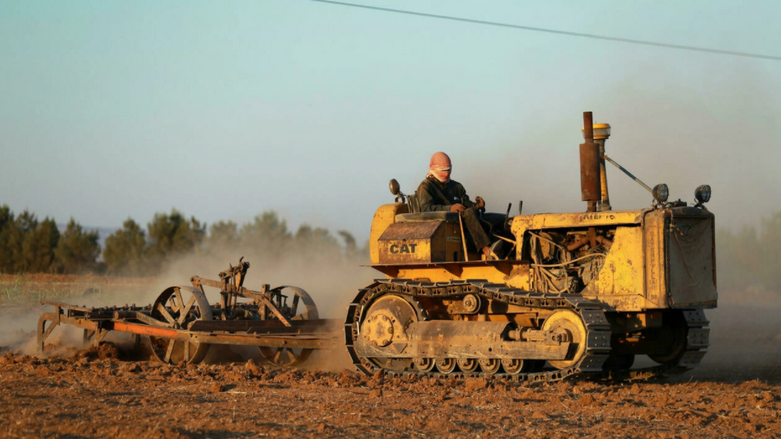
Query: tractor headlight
[
  {"x": 661, "y": 193},
  {"x": 702, "y": 194}
]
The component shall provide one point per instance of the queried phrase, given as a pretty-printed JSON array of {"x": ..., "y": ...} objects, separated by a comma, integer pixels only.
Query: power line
[{"x": 554, "y": 31}]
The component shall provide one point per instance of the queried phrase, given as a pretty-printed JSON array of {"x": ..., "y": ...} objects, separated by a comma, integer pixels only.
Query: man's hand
[
  {"x": 457, "y": 208},
  {"x": 480, "y": 202}
]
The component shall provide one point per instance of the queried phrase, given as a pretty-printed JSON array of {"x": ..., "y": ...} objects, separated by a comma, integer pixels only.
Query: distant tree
[
  {"x": 304, "y": 233},
  {"x": 9, "y": 241},
  {"x": 39, "y": 242},
  {"x": 24, "y": 226},
  {"x": 266, "y": 232},
  {"x": 315, "y": 243},
  {"x": 125, "y": 250},
  {"x": 350, "y": 247},
  {"x": 171, "y": 234},
  {"x": 77, "y": 249},
  {"x": 222, "y": 235}
]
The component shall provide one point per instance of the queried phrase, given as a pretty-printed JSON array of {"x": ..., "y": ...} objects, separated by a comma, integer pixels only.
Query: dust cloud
[
  {"x": 330, "y": 277},
  {"x": 19, "y": 323},
  {"x": 745, "y": 337},
  {"x": 331, "y": 280}
]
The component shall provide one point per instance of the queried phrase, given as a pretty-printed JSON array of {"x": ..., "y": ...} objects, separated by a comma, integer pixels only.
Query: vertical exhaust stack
[
  {"x": 590, "y": 186},
  {"x": 601, "y": 132}
]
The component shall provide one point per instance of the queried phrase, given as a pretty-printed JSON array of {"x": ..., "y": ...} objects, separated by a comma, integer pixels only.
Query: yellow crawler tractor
[{"x": 570, "y": 293}]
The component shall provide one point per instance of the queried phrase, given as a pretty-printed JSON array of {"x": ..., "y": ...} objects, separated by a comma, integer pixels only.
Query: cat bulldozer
[{"x": 568, "y": 293}]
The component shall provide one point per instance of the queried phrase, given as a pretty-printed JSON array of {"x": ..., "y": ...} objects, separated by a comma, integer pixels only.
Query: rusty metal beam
[{"x": 266, "y": 326}]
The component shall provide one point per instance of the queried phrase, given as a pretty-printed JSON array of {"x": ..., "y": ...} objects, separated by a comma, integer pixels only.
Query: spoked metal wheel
[
  {"x": 301, "y": 307},
  {"x": 179, "y": 307},
  {"x": 467, "y": 365}
]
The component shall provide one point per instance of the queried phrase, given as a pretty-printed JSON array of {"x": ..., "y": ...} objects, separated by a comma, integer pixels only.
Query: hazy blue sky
[{"x": 110, "y": 110}]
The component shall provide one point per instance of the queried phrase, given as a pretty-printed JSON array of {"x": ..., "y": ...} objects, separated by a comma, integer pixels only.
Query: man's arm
[
  {"x": 464, "y": 197},
  {"x": 428, "y": 199}
]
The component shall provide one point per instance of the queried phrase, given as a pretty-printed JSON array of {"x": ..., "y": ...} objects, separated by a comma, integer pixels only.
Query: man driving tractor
[{"x": 439, "y": 193}]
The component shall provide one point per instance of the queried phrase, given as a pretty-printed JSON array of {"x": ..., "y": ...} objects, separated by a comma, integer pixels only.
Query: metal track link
[{"x": 597, "y": 325}]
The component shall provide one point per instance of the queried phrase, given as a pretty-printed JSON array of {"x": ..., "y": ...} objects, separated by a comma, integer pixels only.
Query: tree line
[
  {"x": 28, "y": 245},
  {"x": 750, "y": 256}
]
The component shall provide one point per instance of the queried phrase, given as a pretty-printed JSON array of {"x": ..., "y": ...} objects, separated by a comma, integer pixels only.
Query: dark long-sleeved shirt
[{"x": 435, "y": 196}]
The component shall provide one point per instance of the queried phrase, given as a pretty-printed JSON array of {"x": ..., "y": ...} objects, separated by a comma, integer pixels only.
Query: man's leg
[{"x": 479, "y": 236}]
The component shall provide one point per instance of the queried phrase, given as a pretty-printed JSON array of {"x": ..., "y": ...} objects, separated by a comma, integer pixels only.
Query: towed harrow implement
[{"x": 181, "y": 325}]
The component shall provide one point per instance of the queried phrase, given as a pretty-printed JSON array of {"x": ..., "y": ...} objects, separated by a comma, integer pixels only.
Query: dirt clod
[{"x": 475, "y": 384}]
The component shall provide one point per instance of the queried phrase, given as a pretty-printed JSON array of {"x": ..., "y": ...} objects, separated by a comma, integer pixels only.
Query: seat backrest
[
  {"x": 414, "y": 207},
  {"x": 451, "y": 217}
]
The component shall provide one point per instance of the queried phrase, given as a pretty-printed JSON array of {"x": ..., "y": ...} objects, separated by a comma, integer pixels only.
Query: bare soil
[
  {"x": 108, "y": 392},
  {"x": 97, "y": 394}
]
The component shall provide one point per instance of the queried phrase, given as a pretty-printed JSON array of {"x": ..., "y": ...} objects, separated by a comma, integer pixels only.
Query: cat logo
[{"x": 403, "y": 248}]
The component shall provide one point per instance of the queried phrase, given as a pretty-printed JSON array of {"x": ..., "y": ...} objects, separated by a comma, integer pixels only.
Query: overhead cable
[{"x": 554, "y": 31}]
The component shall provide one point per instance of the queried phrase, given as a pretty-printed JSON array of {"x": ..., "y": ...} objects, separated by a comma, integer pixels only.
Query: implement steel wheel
[
  {"x": 180, "y": 307},
  {"x": 284, "y": 356}
]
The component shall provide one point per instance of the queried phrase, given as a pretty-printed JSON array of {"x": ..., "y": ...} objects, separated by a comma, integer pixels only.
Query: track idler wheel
[
  {"x": 570, "y": 327},
  {"x": 180, "y": 307}
]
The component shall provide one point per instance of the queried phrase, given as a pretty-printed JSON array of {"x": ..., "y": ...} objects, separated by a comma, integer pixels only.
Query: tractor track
[{"x": 597, "y": 325}]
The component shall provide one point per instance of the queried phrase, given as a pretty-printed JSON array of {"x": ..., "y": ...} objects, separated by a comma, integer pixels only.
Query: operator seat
[
  {"x": 447, "y": 216},
  {"x": 416, "y": 215}
]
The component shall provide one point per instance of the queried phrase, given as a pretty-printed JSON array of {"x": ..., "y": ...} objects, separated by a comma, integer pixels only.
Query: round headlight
[
  {"x": 661, "y": 193},
  {"x": 702, "y": 194}
]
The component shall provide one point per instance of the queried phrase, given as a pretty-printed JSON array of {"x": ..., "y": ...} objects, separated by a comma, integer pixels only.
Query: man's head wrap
[{"x": 439, "y": 167}]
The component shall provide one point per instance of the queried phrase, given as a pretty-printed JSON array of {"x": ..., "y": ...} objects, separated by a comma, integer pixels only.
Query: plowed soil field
[
  {"x": 108, "y": 392},
  {"x": 90, "y": 396}
]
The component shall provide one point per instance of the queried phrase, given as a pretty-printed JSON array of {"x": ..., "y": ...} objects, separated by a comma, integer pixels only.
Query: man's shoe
[{"x": 491, "y": 256}]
